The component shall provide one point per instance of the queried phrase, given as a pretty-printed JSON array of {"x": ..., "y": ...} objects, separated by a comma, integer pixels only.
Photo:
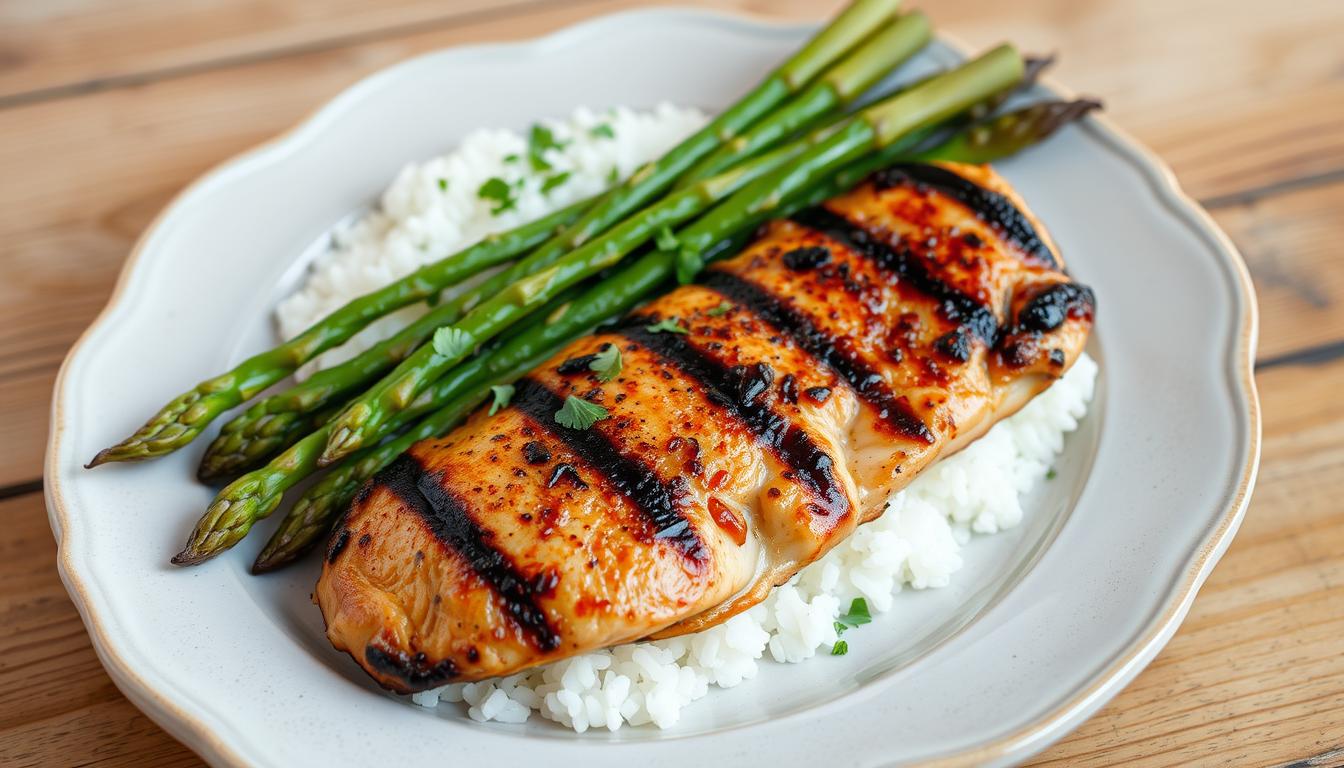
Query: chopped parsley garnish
[
  {"x": 670, "y": 325},
  {"x": 578, "y": 413},
  {"x": 607, "y": 363},
  {"x": 552, "y": 182},
  {"x": 721, "y": 310},
  {"x": 451, "y": 342},
  {"x": 512, "y": 157},
  {"x": 499, "y": 192},
  {"x": 443, "y": 185},
  {"x": 858, "y": 614},
  {"x": 1052, "y": 474},
  {"x": 614, "y": 175},
  {"x": 665, "y": 240},
  {"x": 503, "y": 394},
  {"x": 540, "y": 141},
  {"x": 840, "y": 648},
  {"x": 602, "y": 131}
]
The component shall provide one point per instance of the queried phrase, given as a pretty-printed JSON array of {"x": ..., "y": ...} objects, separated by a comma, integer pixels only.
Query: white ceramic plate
[{"x": 1044, "y": 624}]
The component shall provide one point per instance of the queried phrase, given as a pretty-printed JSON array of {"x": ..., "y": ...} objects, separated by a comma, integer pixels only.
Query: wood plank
[
  {"x": 53, "y": 49},
  {"x": 1234, "y": 95},
  {"x": 1255, "y": 675},
  {"x": 57, "y": 705},
  {"x": 1291, "y": 244},
  {"x": 1254, "y": 69}
]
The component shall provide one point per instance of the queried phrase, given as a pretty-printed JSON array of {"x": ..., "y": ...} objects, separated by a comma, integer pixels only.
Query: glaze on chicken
[{"x": 760, "y": 416}]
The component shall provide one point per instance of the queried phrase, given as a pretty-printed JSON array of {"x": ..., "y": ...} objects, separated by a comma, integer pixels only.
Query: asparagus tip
[
  {"x": 340, "y": 445},
  {"x": 118, "y": 452},
  {"x": 1059, "y": 114},
  {"x": 190, "y": 556},
  {"x": 1033, "y": 66}
]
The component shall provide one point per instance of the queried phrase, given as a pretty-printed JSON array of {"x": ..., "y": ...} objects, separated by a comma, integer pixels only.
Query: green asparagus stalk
[
  {"x": 180, "y": 421},
  {"x": 311, "y": 516},
  {"x": 1008, "y": 134},
  {"x": 183, "y": 419},
  {"x": 255, "y": 436},
  {"x": 848, "y": 80},
  {"x": 271, "y": 424}
]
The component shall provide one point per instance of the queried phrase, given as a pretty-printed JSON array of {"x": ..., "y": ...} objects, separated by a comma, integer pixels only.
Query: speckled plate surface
[{"x": 1044, "y": 624}]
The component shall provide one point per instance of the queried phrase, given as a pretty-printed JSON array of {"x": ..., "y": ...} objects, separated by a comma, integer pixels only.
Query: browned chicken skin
[{"x": 819, "y": 371}]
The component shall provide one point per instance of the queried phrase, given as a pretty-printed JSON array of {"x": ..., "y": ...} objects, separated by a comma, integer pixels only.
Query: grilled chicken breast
[{"x": 788, "y": 394}]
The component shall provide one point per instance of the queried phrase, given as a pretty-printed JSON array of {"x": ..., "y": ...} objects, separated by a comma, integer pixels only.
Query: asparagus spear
[
  {"x": 613, "y": 296},
  {"x": 254, "y": 437},
  {"x": 840, "y": 85},
  {"x": 271, "y": 424},
  {"x": 1008, "y": 134},
  {"x": 182, "y": 419}
]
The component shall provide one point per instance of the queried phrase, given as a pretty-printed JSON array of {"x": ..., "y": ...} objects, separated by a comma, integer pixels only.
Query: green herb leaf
[
  {"x": 689, "y": 265},
  {"x": 670, "y": 325},
  {"x": 443, "y": 185},
  {"x": 1052, "y": 474},
  {"x": 840, "y": 629},
  {"x": 665, "y": 240},
  {"x": 578, "y": 413},
  {"x": 840, "y": 648},
  {"x": 721, "y": 310},
  {"x": 858, "y": 613},
  {"x": 503, "y": 394},
  {"x": 552, "y": 182},
  {"x": 452, "y": 342},
  {"x": 614, "y": 175},
  {"x": 602, "y": 131},
  {"x": 498, "y": 191},
  {"x": 512, "y": 157},
  {"x": 607, "y": 363},
  {"x": 540, "y": 141}
]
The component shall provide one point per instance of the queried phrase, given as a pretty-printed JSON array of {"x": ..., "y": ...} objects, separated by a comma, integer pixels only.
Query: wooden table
[{"x": 109, "y": 107}]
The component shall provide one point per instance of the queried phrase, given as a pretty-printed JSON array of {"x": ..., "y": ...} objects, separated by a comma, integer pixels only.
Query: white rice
[{"x": 916, "y": 543}]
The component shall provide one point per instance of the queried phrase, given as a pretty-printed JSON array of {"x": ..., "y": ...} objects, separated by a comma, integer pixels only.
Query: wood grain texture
[
  {"x": 54, "y": 49},
  {"x": 109, "y": 107}
]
